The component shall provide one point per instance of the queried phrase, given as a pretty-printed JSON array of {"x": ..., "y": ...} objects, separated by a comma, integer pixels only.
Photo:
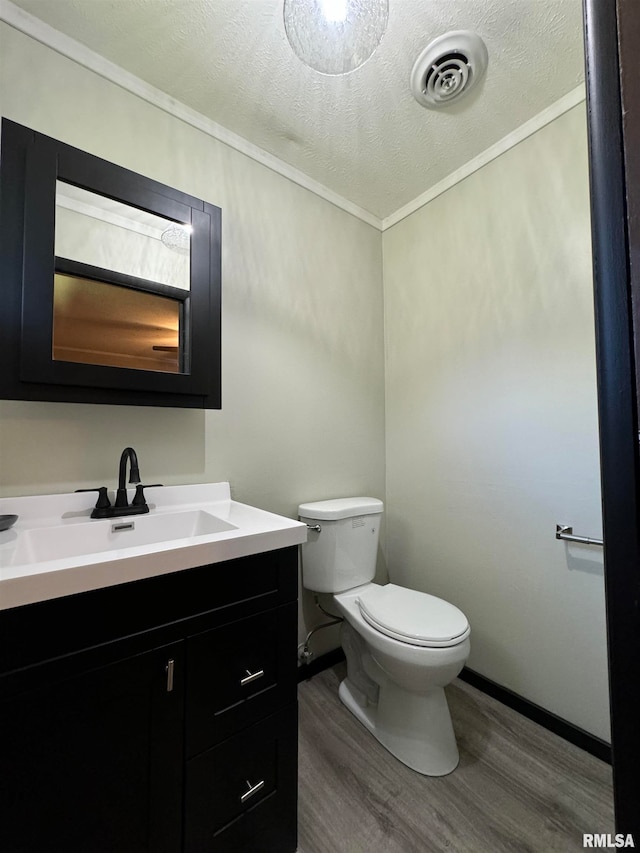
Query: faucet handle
[
  {"x": 139, "y": 498},
  {"x": 103, "y": 499}
]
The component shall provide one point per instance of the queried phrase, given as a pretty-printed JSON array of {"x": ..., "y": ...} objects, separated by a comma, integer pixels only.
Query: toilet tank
[{"x": 342, "y": 554}]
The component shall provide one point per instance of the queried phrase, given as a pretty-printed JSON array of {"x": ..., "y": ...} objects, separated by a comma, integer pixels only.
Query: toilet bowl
[
  {"x": 402, "y": 646},
  {"x": 409, "y": 715}
]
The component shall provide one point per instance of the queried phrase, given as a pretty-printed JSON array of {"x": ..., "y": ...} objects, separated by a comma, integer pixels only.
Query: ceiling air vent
[{"x": 448, "y": 68}]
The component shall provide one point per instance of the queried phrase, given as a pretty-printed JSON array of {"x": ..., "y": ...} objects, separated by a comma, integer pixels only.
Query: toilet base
[{"x": 417, "y": 730}]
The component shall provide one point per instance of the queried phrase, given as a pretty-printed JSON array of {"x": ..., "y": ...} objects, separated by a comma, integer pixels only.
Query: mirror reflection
[
  {"x": 96, "y": 322},
  {"x": 101, "y": 232}
]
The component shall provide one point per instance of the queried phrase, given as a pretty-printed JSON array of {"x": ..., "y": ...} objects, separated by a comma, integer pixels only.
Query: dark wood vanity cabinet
[{"x": 158, "y": 715}]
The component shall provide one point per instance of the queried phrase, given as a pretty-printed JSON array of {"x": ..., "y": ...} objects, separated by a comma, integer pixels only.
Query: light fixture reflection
[
  {"x": 177, "y": 237},
  {"x": 335, "y": 36}
]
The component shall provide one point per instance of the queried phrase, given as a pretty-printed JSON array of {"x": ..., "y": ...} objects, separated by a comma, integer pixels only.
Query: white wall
[
  {"x": 303, "y": 371},
  {"x": 491, "y": 418}
]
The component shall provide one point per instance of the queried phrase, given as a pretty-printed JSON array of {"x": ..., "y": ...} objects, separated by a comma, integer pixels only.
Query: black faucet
[
  {"x": 134, "y": 476},
  {"x": 138, "y": 505}
]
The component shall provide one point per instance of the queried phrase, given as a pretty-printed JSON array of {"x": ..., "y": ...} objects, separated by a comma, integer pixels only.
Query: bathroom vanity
[{"x": 155, "y": 713}]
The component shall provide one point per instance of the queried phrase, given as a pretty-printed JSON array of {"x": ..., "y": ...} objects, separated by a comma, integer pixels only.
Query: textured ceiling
[{"x": 361, "y": 135}]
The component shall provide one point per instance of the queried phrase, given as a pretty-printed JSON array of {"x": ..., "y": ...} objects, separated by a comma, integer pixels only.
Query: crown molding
[
  {"x": 36, "y": 29},
  {"x": 552, "y": 112},
  {"x": 107, "y": 216}
]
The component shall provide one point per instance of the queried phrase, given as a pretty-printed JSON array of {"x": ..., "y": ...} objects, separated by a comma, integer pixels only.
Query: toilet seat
[{"x": 413, "y": 617}]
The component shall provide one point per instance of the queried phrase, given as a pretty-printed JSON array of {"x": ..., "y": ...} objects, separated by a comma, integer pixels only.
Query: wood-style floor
[{"x": 518, "y": 788}]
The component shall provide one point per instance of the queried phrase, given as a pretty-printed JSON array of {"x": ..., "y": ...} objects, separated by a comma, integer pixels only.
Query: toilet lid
[{"x": 413, "y": 617}]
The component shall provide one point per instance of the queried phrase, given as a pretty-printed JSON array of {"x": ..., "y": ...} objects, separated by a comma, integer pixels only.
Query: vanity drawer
[
  {"x": 237, "y": 674},
  {"x": 245, "y": 789}
]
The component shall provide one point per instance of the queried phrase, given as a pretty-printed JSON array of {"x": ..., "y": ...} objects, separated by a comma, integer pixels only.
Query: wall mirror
[
  {"x": 110, "y": 281},
  {"x": 96, "y": 320}
]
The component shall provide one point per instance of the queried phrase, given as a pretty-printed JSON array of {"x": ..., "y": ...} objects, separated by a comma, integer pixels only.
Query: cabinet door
[{"x": 94, "y": 762}]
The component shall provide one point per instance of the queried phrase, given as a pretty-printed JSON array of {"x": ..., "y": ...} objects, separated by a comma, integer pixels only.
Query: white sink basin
[
  {"x": 56, "y": 549},
  {"x": 113, "y": 534}
]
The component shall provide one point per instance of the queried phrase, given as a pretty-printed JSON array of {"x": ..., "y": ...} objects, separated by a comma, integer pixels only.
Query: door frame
[{"x": 617, "y": 395}]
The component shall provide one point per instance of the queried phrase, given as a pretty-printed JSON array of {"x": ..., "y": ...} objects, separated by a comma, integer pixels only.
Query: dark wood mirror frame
[{"x": 29, "y": 167}]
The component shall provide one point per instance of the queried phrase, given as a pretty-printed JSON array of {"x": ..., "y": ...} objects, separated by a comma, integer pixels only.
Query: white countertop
[{"x": 25, "y": 582}]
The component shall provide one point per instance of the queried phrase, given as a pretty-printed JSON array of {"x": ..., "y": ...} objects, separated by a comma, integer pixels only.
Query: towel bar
[{"x": 564, "y": 531}]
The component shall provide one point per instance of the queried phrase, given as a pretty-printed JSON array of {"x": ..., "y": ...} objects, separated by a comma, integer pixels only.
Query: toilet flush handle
[{"x": 315, "y": 527}]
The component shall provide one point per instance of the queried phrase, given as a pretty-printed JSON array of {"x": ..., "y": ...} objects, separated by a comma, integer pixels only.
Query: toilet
[{"x": 402, "y": 646}]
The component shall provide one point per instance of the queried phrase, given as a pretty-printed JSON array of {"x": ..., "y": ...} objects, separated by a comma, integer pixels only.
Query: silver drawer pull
[
  {"x": 251, "y": 676},
  {"x": 169, "y": 669},
  {"x": 253, "y": 789}
]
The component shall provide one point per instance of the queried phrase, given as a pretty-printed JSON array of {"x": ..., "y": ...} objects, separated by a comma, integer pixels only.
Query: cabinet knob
[
  {"x": 253, "y": 789},
  {"x": 251, "y": 676}
]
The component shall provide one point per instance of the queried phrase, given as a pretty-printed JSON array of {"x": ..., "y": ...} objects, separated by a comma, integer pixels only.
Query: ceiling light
[
  {"x": 335, "y": 36},
  {"x": 334, "y": 10}
]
